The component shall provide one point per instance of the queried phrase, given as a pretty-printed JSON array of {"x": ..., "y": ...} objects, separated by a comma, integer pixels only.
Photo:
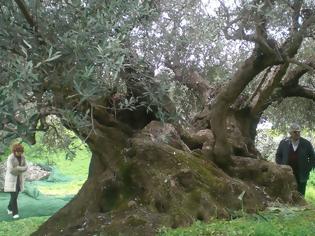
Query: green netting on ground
[
  {"x": 31, "y": 190},
  {"x": 57, "y": 176},
  {"x": 32, "y": 202},
  {"x": 44, "y": 205}
]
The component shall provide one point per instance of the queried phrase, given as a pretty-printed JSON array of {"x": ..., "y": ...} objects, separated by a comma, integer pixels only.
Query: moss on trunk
[{"x": 149, "y": 182}]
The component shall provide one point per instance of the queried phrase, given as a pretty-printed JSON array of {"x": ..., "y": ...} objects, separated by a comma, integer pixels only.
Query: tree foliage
[
  {"x": 56, "y": 56},
  {"x": 67, "y": 58}
]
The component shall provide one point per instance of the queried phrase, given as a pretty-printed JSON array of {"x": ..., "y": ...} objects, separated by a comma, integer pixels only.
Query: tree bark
[
  {"x": 226, "y": 97},
  {"x": 141, "y": 181}
]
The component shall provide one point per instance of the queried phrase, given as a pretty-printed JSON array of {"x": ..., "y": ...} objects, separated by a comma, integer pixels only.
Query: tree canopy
[{"x": 64, "y": 58}]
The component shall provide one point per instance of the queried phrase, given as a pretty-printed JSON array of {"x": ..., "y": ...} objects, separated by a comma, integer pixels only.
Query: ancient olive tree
[{"x": 166, "y": 94}]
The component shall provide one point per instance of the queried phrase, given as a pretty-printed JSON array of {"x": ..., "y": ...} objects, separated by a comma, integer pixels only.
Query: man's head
[
  {"x": 295, "y": 131},
  {"x": 17, "y": 149}
]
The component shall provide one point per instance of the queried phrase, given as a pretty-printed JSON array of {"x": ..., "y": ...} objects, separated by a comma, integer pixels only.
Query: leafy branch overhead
[{"x": 105, "y": 61}]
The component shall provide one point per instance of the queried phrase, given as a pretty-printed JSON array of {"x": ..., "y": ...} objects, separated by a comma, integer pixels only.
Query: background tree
[{"x": 113, "y": 70}]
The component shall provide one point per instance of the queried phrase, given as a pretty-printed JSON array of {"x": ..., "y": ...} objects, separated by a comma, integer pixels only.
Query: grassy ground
[
  {"x": 53, "y": 195},
  {"x": 30, "y": 207},
  {"x": 285, "y": 221},
  {"x": 277, "y": 221},
  {"x": 22, "y": 227}
]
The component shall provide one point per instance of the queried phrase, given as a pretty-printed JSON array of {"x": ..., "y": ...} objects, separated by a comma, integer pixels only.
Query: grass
[
  {"x": 282, "y": 222},
  {"x": 310, "y": 189},
  {"x": 310, "y": 194},
  {"x": 277, "y": 221},
  {"x": 60, "y": 188},
  {"x": 75, "y": 170},
  {"x": 23, "y": 227}
]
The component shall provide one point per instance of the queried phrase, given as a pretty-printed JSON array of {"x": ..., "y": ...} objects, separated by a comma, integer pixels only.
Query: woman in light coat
[{"x": 14, "y": 177}]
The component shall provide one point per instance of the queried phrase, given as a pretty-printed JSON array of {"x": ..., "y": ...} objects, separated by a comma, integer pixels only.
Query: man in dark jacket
[{"x": 298, "y": 153}]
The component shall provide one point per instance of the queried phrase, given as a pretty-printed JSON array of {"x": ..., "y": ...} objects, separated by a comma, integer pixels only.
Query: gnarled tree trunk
[{"x": 160, "y": 175}]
